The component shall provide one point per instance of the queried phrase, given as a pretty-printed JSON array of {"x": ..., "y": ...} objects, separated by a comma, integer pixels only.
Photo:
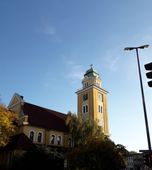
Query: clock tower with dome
[{"x": 92, "y": 99}]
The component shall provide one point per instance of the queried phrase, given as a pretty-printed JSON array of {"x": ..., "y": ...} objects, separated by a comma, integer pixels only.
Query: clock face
[{"x": 85, "y": 97}]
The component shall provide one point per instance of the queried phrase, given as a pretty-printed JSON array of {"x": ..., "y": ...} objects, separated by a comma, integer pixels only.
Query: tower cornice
[{"x": 91, "y": 87}]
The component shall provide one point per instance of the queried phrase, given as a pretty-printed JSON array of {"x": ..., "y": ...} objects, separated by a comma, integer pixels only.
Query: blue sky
[{"x": 46, "y": 47}]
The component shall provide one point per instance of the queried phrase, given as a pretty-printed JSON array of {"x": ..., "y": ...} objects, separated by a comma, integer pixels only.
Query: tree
[
  {"x": 122, "y": 150},
  {"x": 40, "y": 158},
  {"x": 7, "y": 127},
  {"x": 91, "y": 149},
  {"x": 81, "y": 130},
  {"x": 97, "y": 154}
]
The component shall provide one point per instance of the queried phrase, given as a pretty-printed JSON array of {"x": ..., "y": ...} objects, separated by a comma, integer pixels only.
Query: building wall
[
  {"x": 16, "y": 105},
  {"x": 46, "y": 135},
  {"x": 89, "y": 102},
  {"x": 93, "y": 106}
]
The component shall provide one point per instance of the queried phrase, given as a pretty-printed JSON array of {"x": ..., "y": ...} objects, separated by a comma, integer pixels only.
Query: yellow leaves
[{"x": 7, "y": 128}]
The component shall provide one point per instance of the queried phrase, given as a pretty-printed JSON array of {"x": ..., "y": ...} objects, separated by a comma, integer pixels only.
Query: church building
[{"x": 44, "y": 126}]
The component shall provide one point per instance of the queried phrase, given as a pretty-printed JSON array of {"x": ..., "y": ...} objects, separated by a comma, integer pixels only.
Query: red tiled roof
[{"x": 45, "y": 118}]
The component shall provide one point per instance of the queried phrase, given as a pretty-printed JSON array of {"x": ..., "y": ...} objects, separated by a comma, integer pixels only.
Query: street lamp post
[{"x": 142, "y": 91}]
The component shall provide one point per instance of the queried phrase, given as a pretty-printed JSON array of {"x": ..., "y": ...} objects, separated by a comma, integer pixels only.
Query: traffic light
[
  {"x": 150, "y": 159},
  {"x": 146, "y": 158},
  {"x": 149, "y": 74}
]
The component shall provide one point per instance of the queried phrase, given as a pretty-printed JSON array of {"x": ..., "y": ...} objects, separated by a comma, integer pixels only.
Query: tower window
[
  {"x": 85, "y": 84},
  {"x": 100, "y": 97},
  {"x": 100, "y": 109},
  {"x": 85, "y": 108}
]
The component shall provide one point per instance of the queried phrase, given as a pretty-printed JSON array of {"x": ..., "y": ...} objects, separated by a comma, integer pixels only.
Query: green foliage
[
  {"x": 7, "y": 128},
  {"x": 91, "y": 149},
  {"x": 122, "y": 150},
  {"x": 81, "y": 130}
]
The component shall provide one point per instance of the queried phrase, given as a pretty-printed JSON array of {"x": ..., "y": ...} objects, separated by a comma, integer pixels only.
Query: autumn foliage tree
[{"x": 7, "y": 127}]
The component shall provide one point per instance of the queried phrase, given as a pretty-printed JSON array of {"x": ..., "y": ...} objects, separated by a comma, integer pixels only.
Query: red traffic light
[{"x": 150, "y": 156}]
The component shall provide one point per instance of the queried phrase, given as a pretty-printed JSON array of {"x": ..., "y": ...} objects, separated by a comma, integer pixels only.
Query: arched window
[
  {"x": 59, "y": 140},
  {"x": 85, "y": 109},
  {"x": 70, "y": 142},
  {"x": 39, "y": 137},
  {"x": 31, "y": 136},
  {"x": 52, "y": 139}
]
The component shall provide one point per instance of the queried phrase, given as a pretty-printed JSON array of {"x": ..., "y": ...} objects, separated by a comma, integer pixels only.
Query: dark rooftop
[{"x": 45, "y": 118}]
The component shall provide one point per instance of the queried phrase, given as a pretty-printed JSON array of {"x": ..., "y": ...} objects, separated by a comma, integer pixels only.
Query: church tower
[{"x": 92, "y": 99}]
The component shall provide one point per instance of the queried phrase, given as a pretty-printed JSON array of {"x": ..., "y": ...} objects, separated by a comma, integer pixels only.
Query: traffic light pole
[{"x": 144, "y": 104}]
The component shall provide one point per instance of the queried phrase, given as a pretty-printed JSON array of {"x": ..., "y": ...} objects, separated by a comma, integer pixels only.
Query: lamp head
[
  {"x": 143, "y": 46},
  {"x": 133, "y": 48}
]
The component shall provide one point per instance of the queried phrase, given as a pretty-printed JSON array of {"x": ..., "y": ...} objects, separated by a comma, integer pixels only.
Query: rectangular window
[
  {"x": 100, "y": 97},
  {"x": 101, "y": 109},
  {"x": 98, "y": 108},
  {"x": 83, "y": 109},
  {"x": 86, "y": 108},
  {"x": 86, "y": 84}
]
